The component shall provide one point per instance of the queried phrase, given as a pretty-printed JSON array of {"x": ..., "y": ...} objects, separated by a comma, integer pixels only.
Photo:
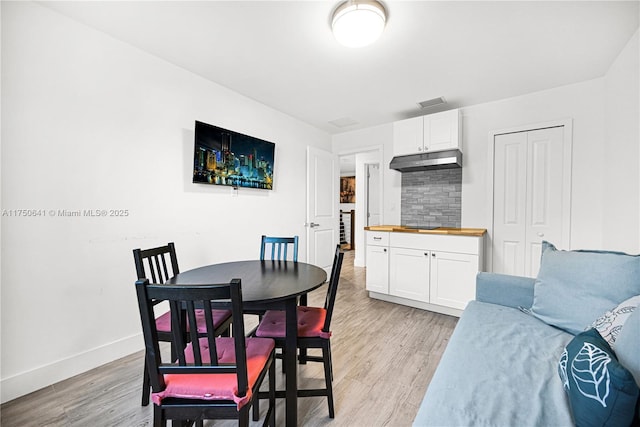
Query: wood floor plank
[{"x": 384, "y": 356}]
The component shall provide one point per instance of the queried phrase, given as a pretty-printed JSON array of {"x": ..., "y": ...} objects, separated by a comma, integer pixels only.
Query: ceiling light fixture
[{"x": 358, "y": 23}]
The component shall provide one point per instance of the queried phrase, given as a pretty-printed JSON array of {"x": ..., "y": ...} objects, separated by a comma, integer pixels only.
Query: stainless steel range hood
[{"x": 447, "y": 159}]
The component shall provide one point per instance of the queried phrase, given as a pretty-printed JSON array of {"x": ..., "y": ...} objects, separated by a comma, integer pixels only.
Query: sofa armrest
[{"x": 503, "y": 289}]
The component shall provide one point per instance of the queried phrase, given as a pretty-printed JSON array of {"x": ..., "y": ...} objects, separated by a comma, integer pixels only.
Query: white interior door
[
  {"x": 323, "y": 210},
  {"x": 529, "y": 198},
  {"x": 544, "y": 194},
  {"x": 374, "y": 206},
  {"x": 509, "y": 198}
]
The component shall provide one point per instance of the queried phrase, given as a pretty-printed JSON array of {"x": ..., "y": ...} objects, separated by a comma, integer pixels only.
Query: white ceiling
[{"x": 282, "y": 53}]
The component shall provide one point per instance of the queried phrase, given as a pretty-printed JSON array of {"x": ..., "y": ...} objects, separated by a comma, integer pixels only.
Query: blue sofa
[{"x": 500, "y": 367}]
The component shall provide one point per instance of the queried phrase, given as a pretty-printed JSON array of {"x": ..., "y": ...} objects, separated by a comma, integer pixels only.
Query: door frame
[
  {"x": 567, "y": 143},
  {"x": 367, "y": 191},
  {"x": 378, "y": 151}
]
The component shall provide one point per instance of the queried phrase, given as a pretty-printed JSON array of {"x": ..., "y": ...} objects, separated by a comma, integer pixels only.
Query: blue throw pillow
[
  {"x": 601, "y": 391},
  {"x": 573, "y": 288}
]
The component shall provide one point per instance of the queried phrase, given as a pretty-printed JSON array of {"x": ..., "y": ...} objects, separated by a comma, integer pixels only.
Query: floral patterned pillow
[{"x": 610, "y": 323}]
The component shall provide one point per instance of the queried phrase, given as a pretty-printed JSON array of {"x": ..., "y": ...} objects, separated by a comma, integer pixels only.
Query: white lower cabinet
[
  {"x": 409, "y": 273},
  {"x": 451, "y": 274},
  {"x": 377, "y": 256},
  {"x": 429, "y": 271},
  {"x": 377, "y": 269}
]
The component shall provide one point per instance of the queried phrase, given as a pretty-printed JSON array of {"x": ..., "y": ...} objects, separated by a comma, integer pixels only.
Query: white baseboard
[
  {"x": 417, "y": 304},
  {"x": 358, "y": 261},
  {"x": 27, "y": 382}
]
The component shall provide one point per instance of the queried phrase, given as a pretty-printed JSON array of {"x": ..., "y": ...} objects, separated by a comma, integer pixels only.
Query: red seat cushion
[
  {"x": 163, "y": 323},
  {"x": 217, "y": 386},
  {"x": 310, "y": 323}
]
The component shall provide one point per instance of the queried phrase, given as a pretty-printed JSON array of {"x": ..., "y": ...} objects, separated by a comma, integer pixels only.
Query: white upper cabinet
[
  {"x": 408, "y": 136},
  {"x": 434, "y": 132},
  {"x": 442, "y": 131}
]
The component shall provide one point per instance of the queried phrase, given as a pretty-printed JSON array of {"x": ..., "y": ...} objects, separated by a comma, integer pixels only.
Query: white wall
[
  {"x": 582, "y": 103},
  {"x": 621, "y": 213},
  {"x": 92, "y": 123},
  {"x": 605, "y": 210},
  {"x": 1, "y": 204}
]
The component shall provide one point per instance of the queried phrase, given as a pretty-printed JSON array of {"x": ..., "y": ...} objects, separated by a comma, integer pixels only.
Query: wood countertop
[{"x": 477, "y": 232}]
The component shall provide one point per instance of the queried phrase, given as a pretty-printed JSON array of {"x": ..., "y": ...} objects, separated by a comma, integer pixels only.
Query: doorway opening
[
  {"x": 366, "y": 207},
  {"x": 347, "y": 202}
]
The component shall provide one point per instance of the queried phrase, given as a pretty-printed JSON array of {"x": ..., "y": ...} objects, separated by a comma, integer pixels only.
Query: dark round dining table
[{"x": 267, "y": 285}]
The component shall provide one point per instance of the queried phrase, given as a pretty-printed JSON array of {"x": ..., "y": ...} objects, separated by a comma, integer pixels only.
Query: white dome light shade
[{"x": 358, "y": 23}]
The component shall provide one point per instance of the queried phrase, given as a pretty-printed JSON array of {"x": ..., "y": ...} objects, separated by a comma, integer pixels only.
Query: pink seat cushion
[
  {"x": 163, "y": 323},
  {"x": 217, "y": 386},
  {"x": 310, "y": 323}
]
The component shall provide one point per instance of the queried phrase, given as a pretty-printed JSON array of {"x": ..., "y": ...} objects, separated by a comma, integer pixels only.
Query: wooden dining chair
[
  {"x": 159, "y": 265},
  {"x": 278, "y": 247},
  {"x": 314, "y": 331},
  {"x": 212, "y": 377}
]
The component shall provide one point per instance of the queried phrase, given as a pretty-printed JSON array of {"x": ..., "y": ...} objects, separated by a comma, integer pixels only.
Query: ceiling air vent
[
  {"x": 432, "y": 102},
  {"x": 343, "y": 122}
]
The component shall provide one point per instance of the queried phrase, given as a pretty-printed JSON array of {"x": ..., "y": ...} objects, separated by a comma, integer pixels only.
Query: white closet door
[
  {"x": 528, "y": 198},
  {"x": 544, "y": 194},
  {"x": 509, "y": 198}
]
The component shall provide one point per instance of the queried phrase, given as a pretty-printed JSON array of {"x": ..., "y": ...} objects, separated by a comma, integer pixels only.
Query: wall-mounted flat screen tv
[{"x": 225, "y": 157}]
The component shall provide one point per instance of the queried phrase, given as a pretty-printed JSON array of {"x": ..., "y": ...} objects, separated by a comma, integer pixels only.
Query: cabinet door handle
[
  {"x": 377, "y": 238},
  {"x": 433, "y": 254},
  {"x": 426, "y": 254},
  {"x": 419, "y": 148},
  {"x": 384, "y": 250}
]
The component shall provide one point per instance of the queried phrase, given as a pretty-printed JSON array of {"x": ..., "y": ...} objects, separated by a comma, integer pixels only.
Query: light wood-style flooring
[{"x": 384, "y": 356}]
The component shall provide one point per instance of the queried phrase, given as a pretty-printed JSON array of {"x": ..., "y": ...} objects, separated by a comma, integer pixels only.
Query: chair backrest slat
[
  {"x": 334, "y": 279},
  {"x": 184, "y": 302},
  {"x": 238, "y": 333},
  {"x": 208, "y": 319},
  {"x": 193, "y": 331},
  {"x": 279, "y": 247},
  {"x": 163, "y": 273},
  {"x": 153, "y": 264},
  {"x": 178, "y": 332}
]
